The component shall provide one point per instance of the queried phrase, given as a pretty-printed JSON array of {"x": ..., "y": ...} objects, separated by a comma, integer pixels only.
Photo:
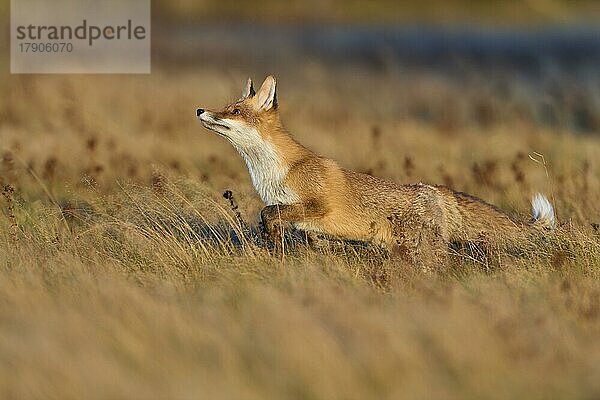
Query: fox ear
[
  {"x": 266, "y": 97},
  {"x": 248, "y": 90}
]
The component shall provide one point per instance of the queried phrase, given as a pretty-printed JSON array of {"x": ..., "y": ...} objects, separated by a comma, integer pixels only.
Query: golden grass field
[{"x": 124, "y": 273}]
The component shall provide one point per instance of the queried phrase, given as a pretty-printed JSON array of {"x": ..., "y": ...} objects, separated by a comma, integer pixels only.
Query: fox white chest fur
[{"x": 268, "y": 173}]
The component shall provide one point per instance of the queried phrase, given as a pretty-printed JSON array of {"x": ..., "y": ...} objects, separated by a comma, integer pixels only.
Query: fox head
[{"x": 248, "y": 121}]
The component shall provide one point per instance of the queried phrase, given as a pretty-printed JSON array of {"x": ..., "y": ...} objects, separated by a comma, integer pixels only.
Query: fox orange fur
[{"x": 318, "y": 196}]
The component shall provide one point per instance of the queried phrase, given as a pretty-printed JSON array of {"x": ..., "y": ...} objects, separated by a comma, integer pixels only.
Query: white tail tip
[{"x": 542, "y": 211}]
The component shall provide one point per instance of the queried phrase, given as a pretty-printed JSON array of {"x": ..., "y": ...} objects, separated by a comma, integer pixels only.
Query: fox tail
[{"x": 542, "y": 212}]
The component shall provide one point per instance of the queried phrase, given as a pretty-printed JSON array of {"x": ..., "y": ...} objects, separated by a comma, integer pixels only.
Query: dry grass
[{"x": 125, "y": 274}]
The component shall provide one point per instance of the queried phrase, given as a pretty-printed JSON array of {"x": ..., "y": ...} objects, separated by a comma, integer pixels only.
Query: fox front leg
[
  {"x": 272, "y": 224},
  {"x": 274, "y": 217}
]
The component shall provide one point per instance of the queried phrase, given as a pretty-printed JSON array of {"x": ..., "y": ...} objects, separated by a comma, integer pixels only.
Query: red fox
[{"x": 317, "y": 196}]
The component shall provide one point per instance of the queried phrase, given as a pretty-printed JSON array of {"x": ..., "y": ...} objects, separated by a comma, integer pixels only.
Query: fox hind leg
[{"x": 420, "y": 241}]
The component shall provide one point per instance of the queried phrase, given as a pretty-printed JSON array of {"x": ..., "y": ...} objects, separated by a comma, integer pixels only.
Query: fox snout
[{"x": 213, "y": 122}]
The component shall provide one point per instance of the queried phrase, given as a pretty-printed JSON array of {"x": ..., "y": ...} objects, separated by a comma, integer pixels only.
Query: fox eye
[{"x": 236, "y": 111}]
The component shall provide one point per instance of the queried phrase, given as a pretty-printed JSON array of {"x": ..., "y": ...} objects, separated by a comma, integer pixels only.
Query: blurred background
[
  {"x": 534, "y": 60},
  {"x": 455, "y": 92}
]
